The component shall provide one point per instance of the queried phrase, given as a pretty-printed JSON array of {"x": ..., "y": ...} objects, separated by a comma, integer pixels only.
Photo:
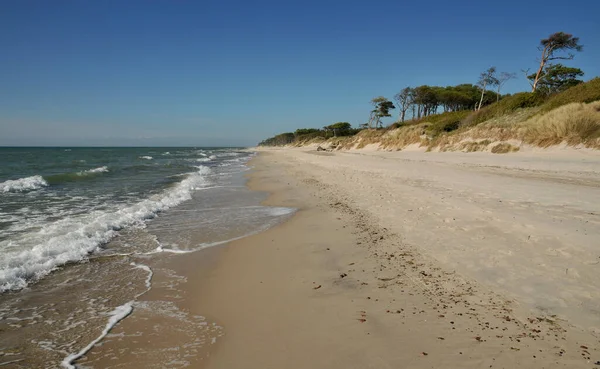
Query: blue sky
[{"x": 234, "y": 72}]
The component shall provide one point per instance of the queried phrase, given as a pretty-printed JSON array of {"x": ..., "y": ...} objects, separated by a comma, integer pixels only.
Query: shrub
[
  {"x": 445, "y": 122},
  {"x": 505, "y": 106},
  {"x": 584, "y": 93}
]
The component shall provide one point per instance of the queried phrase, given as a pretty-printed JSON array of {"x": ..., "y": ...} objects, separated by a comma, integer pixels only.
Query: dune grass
[
  {"x": 503, "y": 148},
  {"x": 575, "y": 123},
  {"x": 584, "y": 93}
]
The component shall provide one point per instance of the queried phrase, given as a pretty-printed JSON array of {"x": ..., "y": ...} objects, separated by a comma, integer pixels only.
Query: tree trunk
[
  {"x": 403, "y": 113},
  {"x": 540, "y": 69},
  {"x": 482, "y": 93}
]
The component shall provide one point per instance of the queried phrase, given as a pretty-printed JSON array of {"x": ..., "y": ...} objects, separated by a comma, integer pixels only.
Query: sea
[{"x": 80, "y": 231}]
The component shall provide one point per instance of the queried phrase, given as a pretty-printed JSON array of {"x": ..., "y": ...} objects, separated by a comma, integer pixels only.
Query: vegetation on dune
[
  {"x": 584, "y": 93},
  {"x": 575, "y": 123},
  {"x": 505, "y": 106},
  {"x": 467, "y": 117}
]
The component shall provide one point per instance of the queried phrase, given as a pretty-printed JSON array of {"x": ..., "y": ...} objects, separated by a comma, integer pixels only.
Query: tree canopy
[
  {"x": 557, "y": 78},
  {"x": 551, "y": 49},
  {"x": 382, "y": 109}
]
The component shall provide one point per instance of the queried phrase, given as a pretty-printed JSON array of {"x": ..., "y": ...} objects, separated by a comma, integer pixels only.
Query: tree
[
  {"x": 556, "y": 78},
  {"x": 339, "y": 128},
  {"x": 552, "y": 45},
  {"x": 502, "y": 79},
  {"x": 426, "y": 99},
  {"x": 305, "y": 131},
  {"x": 279, "y": 140},
  {"x": 487, "y": 78},
  {"x": 382, "y": 109},
  {"x": 404, "y": 100}
]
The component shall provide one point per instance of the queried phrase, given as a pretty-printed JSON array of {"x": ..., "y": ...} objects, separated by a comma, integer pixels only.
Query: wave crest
[
  {"x": 103, "y": 169},
  {"x": 73, "y": 239},
  {"x": 23, "y": 184}
]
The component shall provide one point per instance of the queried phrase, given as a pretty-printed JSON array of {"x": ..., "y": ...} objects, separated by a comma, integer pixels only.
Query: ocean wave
[
  {"x": 23, "y": 184},
  {"x": 76, "y": 176},
  {"x": 72, "y": 239},
  {"x": 146, "y": 157},
  {"x": 103, "y": 169}
]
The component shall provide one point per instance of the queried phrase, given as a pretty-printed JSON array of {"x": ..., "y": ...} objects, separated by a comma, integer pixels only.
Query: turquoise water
[{"x": 82, "y": 228}]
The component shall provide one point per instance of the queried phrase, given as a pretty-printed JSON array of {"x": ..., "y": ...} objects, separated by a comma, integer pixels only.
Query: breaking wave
[
  {"x": 34, "y": 255},
  {"x": 23, "y": 184}
]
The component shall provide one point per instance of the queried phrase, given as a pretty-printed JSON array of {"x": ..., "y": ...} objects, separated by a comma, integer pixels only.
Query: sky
[{"x": 231, "y": 73}]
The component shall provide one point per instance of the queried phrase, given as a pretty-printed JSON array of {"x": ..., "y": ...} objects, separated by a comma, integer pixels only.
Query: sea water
[{"x": 77, "y": 226}]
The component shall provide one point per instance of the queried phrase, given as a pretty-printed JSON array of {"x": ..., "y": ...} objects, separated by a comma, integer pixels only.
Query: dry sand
[{"x": 404, "y": 260}]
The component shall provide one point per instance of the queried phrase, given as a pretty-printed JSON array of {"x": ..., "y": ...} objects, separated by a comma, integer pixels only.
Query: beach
[
  {"x": 301, "y": 258},
  {"x": 407, "y": 260}
]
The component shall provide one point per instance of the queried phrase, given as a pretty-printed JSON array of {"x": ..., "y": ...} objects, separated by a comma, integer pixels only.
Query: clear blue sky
[{"x": 234, "y": 72}]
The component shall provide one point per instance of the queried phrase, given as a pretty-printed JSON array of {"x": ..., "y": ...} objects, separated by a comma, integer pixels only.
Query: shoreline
[{"x": 333, "y": 286}]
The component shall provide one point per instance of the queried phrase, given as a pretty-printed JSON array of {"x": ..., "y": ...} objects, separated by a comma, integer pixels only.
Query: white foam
[
  {"x": 23, "y": 184},
  {"x": 34, "y": 255},
  {"x": 103, "y": 169},
  {"x": 146, "y": 157},
  {"x": 120, "y": 313},
  {"x": 148, "y": 279}
]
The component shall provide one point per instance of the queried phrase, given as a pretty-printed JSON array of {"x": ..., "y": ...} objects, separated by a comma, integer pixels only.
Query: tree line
[{"x": 551, "y": 77}]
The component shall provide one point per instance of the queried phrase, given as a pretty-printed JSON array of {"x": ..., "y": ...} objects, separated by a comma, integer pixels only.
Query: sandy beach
[{"x": 398, "y": 260}]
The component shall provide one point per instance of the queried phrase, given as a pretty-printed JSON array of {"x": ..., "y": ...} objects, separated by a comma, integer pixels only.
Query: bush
[
  {"x": 445, "y": 122},
  {"x": 584, "y": 93},
  {"x": 505, "y": 106}
]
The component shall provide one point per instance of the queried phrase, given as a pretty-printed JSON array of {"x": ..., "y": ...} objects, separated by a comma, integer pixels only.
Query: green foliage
[
  {"x": 279, "y": 140},
  {"x": 507, "y": 105},
  {"x": 583, "y": 93},
  {"x": 557, "y": 78},
  {"x": 445, "y": 122},
  {"x": 311, "y": 135},
  {"x": 342, "y": 126},
  {"x": 560, "y": 41},
  {"x": 382, "y": 109},
  {"x": 551, "y": 48},
  {"x": 306, "y": 134},
  {"x": 305, "y": 131}
]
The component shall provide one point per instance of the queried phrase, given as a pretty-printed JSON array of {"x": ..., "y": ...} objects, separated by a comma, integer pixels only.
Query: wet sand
[{"x": 344, "y": 284}]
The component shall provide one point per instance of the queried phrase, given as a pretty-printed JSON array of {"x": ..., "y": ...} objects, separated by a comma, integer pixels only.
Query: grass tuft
[
  {"x": 503, "y": 148},
  {"x": 575, "y": 123}
]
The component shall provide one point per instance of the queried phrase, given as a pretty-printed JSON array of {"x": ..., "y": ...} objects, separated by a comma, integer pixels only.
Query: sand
[{"x": 402, "y": 260}]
